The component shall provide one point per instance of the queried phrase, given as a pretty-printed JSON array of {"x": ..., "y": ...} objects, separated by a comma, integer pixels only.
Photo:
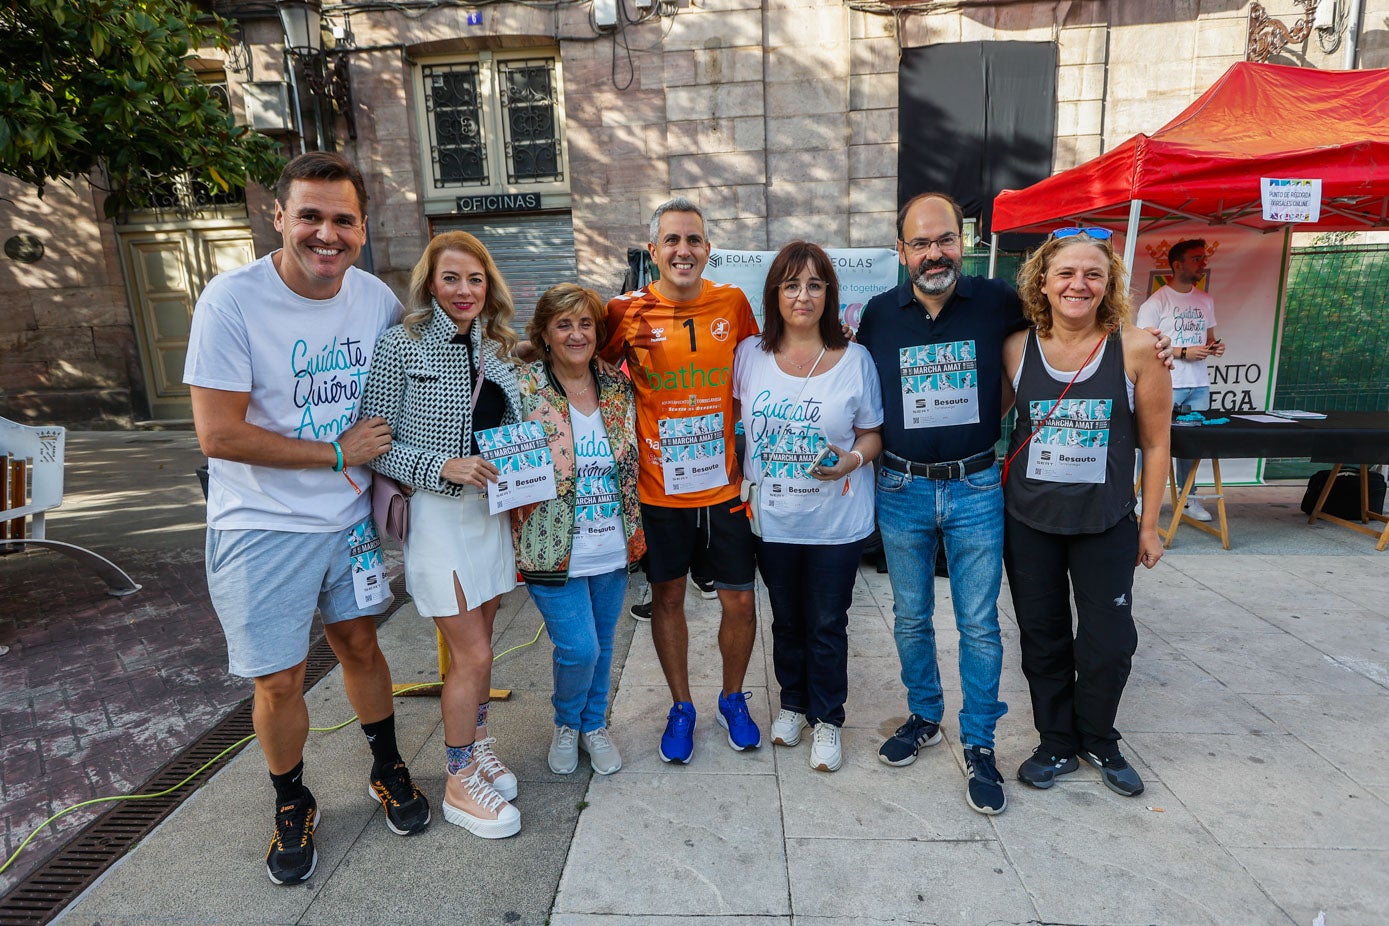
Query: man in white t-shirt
[
  {"x": 1186, "y": 315},
  {"x": 278, "y": 354}
]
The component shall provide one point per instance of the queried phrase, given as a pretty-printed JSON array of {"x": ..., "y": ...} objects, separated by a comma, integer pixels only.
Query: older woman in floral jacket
[{"x": 576, "y": 551}]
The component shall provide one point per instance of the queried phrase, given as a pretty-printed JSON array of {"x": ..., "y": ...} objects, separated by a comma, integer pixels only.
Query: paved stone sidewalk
[
  {"x": 1257, "y": 713},
  {"x": 98, "y": 692}
]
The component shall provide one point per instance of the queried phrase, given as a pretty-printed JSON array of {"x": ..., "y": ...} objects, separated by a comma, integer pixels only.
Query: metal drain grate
[{"x": 74, "y": 867}]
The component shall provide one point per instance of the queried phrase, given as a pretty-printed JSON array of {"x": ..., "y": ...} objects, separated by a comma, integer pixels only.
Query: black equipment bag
[{"x": 1344, "y": 500}]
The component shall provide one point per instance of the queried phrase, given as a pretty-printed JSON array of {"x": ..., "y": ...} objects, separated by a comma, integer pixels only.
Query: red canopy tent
[{"x": 1258, "y": 120}]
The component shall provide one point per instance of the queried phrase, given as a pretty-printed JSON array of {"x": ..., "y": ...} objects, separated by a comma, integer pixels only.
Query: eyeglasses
[
  {"x": 1099, "y": 234},
  {"x": 791, "y": 289},
  {"x": 944, "y": 242}
]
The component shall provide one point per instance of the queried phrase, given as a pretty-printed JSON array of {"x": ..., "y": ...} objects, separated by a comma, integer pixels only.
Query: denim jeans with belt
[
  {"x": 581, "y": 618},
  {"x": 914, "y": 513}
]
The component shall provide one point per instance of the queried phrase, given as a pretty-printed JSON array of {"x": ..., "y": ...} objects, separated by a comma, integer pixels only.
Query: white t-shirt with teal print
[
  {"x": 600, "y": 545},
  {"x": 788, "y": 421}
]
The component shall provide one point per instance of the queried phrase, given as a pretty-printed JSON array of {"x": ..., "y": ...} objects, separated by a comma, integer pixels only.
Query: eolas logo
[
  {"x": 720, "y": 329},
  {"x": 732, "y": 258}
]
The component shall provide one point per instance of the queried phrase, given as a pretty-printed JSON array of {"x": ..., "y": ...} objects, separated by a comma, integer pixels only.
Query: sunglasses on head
[{"x": 1099, "y": 234}]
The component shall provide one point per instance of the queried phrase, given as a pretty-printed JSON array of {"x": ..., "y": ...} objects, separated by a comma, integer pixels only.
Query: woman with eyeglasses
[
  {"x": 811, "y": 410},
  {"x": 1089, "y": 389}
]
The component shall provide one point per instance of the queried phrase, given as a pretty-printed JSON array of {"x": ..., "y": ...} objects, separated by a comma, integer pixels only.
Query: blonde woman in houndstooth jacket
[{"x": 438, "y": 378}]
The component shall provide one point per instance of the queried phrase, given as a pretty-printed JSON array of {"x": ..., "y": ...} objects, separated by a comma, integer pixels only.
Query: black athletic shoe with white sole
[
  {"x": 292, "y": 857},
  {"x": 407, "y": 809},
  {"x": 901, "y": 747}
]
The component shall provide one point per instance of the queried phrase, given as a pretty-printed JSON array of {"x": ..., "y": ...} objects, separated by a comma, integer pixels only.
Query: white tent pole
[
  {"x": 1131, "y": 234},
  {"x": 993, "y": 254}
]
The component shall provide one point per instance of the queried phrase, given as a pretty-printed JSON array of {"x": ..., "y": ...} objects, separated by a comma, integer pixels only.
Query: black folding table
[{"x": 1341, "y": 439}]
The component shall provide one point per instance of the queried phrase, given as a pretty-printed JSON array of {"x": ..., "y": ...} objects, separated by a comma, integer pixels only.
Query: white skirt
[{"x": 456, "y": 536}]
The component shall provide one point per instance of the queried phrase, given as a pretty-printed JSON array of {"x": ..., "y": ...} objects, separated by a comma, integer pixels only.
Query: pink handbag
[{"x": 390, "y": 507}]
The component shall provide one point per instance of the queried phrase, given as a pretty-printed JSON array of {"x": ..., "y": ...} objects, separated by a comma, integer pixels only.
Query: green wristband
[{"x": 338, "y": 466}]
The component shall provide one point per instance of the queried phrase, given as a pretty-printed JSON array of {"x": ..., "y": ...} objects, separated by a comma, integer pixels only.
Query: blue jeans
[
  {"x": 1199, "y": 398},
  {"x": 581, "y": 617},
  {"x": 913, "y": 514},
  {"x": 810, "y": 587}
]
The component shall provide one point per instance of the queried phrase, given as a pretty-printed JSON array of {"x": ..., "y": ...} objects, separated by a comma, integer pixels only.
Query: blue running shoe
[
  {"x": 677, "y": 743},
  {"x": 733, "y": 717}
]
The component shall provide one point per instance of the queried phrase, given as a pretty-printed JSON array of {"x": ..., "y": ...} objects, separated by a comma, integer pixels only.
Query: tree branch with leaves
[{"x": 105, "y": 89}]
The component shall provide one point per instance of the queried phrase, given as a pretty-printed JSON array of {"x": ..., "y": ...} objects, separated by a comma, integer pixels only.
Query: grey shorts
[{"x": 265, "y": 586}]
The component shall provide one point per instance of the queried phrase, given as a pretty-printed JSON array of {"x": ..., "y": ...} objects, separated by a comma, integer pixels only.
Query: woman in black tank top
[{"x": 1090, "y": 389}]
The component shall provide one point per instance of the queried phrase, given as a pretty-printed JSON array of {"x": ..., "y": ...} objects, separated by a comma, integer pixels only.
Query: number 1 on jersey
[{"x": 689, "y": 324}]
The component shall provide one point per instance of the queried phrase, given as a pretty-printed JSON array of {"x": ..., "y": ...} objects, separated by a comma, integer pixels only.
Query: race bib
[
  {"x": 787, "y": 486},
  {"x": 368, "y": 567},
  {"x": 940, "y": 384},
  {"x": 597, "y": 511},
  {"x": 522, "y": 456},
  {"x": 693, "y": 455},
  {"x": 1073, "y": 446}
]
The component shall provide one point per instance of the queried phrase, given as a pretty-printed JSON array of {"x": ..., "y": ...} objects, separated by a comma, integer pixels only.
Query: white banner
[
  {"x": 862, "y": 272},
  {"x": 1244, "y": 268}
]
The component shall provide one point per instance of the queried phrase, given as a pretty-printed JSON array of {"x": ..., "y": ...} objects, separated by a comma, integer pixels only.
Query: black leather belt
[{"x": 956, "y": 469}]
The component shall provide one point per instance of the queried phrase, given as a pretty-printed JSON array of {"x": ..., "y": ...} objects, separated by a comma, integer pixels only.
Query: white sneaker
[
  {"x": 497, "y": 774},
  {"x": 786, "y": 729},
  {"x": 1194, "y": 509},
  {"x": 825, "y": 752},
  {"x": 564, "y": 750},
  {"x": 602, "y": 751},
  {"x": 479, "y": 809}
]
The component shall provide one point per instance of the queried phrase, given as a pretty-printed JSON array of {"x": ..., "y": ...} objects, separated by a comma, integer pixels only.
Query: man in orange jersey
[{"x": 677, "y": 336}]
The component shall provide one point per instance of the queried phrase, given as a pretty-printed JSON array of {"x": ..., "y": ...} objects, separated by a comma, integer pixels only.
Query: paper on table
[{"x": 1266, "y": 419}]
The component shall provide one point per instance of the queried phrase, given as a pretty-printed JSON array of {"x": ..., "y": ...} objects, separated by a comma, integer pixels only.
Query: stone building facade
[{"x": 779, "y": 118}]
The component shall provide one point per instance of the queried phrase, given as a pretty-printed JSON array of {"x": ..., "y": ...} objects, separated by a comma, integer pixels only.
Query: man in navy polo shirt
[{"x": 937, "y": 341}]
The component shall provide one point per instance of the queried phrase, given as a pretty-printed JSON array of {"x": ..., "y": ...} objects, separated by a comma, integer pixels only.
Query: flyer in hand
[{"x": 522, "y": 455}]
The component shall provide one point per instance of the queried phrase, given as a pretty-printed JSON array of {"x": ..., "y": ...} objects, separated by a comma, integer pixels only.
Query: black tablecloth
[{"x": 1340, "y": 437}]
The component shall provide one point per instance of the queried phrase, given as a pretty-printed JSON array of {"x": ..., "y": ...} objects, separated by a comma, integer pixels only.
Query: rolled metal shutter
[{"x": 533, "y": 252}]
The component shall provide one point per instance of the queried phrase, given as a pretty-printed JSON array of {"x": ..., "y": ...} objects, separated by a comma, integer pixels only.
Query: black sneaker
[
  {"x": 985, "y": 790},
  {"x": 901, "y": 747},
  {"x": 1118, "y": 775},
  {"x": 1042, "y": 768},
  {"x": 705, "y": 586},
  {"x": 292, "y": 856},
  {"x": 407, "y": 810},
  {"x": 641, "y": 611}
]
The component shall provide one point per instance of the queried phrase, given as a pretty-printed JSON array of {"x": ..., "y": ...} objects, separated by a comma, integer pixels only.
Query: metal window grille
[
  {"x": 457, "y": 145},
  {"x": 530, "y": 127},
  {"x": 1331, "y": 357},
  {"x": 177, "y": 197}
]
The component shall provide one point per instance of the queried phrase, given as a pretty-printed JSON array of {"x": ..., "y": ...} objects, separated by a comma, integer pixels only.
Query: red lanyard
[{"x": 1055, "y": 405}]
